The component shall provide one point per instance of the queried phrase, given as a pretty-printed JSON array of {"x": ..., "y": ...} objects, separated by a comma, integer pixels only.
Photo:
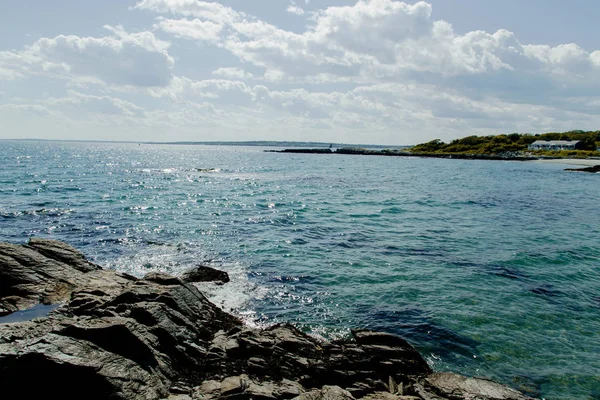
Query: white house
[{"x": 554, "y": 145}]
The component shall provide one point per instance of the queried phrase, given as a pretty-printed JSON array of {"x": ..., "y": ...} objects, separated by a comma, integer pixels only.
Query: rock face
[
  {"x": 115, "y": 336},
  {"x": 453, "y": 386}
]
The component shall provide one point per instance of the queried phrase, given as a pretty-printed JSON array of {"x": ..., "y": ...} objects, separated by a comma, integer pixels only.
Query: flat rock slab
[
  {"x": 454, "y": 386},
  {"x": 326, "y": 393}
]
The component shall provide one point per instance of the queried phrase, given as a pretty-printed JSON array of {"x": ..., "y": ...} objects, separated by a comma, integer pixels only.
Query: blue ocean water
[{"x": 489, "y": 268}]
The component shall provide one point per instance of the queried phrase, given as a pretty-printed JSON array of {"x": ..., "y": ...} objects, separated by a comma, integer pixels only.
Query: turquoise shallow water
[{"x": 489, "y": 268}]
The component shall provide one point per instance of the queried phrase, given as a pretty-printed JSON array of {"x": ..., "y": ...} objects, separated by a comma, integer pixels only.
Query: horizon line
[{"x": 213, "y": 142}]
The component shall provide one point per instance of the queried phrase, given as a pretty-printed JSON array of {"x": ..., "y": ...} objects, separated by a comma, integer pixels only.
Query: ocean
[{"x": 489, "y": 268}]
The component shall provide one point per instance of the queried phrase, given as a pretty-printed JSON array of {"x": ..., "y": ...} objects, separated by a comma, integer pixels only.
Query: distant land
[
  {"x": 514, "y": 144},
  {"x": 276, "y": 143},
  {"x": 259, "y": 143}
]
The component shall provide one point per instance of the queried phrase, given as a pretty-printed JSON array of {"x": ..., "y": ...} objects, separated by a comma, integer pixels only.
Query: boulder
[{"x": 202, "y": 273}]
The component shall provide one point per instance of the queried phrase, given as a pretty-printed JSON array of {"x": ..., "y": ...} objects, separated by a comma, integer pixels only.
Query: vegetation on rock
[{"x": 514, "y": 143}]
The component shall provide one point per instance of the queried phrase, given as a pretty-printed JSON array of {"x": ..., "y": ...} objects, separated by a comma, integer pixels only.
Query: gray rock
[
  {"x": 388, "y": 396},
  {"x": 264, "y": 390},
  {"x": 234, "y": 384},
  {"x": 424, "y": 394},
  {"x": 179, "y": 396},
  {"x": 288, "y": 389},
  {"x": 595, "y": 169},
  {"x": 453, "y": 386},
  {"x": 209, "y": 389},
  {"x": 326, "y": 393},
  {"x": 162, "y": 278},
  {"x": 62, "y": 252},
  {"x": 47, "y": 272},
  {"x": 202, "y": 273},
  {"x": 115, "y": 336}
]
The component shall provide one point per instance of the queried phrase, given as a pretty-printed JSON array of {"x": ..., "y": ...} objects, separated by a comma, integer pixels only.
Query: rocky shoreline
[
  {"x": 594, "y": 169},
  {"x": 115, "y": 336},
  {"x": 404, "y": 153}
]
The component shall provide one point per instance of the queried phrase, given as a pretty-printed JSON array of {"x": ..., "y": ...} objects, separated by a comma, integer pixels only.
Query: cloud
[
  {"x": 77, "y": 102},
  {"x": 379, "y": 41},
  {"x": 135, "y": 59},
  {"x": 293, "y": 9},
  {"x": 209, "y": 11},
  {"x": 232, "y": 73},
  {"x": 191, "y": 29},
  {"x": 9, "y": 74},
  {"x": 375, "y": 71},
  {"x": 29, "y": 110},
  {"x": 389, "y": 112}
]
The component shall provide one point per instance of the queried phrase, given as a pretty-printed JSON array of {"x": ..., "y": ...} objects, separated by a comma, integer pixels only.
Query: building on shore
[{"x": 554, "y": 145}]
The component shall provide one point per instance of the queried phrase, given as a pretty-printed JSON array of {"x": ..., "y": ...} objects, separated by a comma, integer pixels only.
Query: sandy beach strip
[{"x": 571, "y": 161}]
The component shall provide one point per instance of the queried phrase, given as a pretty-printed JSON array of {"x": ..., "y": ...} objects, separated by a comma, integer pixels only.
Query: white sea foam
[
  {"x": 233, "y": 297},
  {"x": 236, "y": 295}
]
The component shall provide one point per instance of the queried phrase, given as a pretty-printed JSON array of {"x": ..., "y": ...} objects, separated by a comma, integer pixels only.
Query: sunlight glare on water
[{"x": 489, "y": 268}]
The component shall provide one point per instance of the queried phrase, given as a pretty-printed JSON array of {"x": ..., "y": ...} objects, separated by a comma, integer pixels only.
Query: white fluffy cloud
[
  {"x": 294, "y": 9},
  {"x": 136, "y": 59},
  {"x": 232, "y": 73},
  {"x": 374, "y": 41},
  {"x": 77, "y": 102},
  {"x": 376, "y": 71}
]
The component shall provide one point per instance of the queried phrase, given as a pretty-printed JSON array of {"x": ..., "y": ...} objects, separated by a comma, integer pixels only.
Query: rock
[
  {"x": 224, "y": 343},
  {"x": 359, "y": 389},
  {"x": 326, "y": 393},
  {"x": 393, "y": 386},
  {"x": 388, "y": 396},
  {"x": 424, "y": 394},
  {"x": 179, "y": 396},
  {"x": 207, "y": 390},
  {"x": 162, "y": 279},
  {"x": 64, "y": 253},
  {"x": 203, "y": 273},
  {"x": 593, "y": 169},
  {"x": 390, "y": 354},
  {"x": 453, "y": 386},
  {"x": 234, "y": 384},
  {"x": 180, "y": 388},
  {"x": 265, "y": 390},
  {"x": 47, "y": 272},
  {"x": 116, "y": 336},
  {"x": 288, "y": 389}
]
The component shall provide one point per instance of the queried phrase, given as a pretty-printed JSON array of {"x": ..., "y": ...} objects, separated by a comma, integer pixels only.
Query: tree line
[{"x": 511, "y": 143}]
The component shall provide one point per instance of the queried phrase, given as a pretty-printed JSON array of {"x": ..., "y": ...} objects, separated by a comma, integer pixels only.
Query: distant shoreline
[
  {"x": 399, "y": 153},
  {"x": 257, "y": 143},
  {"x": 572, "y": 161}
]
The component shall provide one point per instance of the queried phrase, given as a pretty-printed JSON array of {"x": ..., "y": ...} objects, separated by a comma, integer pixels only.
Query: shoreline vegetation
[
  {"x": 512, "y": 147},
  {"x": 102, "y": 334}
]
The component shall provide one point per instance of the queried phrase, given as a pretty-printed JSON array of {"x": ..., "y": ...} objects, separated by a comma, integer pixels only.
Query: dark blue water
[{"x": 489, "y": 268}]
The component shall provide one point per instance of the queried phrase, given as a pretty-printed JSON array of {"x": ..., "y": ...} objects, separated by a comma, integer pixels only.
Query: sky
[{"x": 368, "y": 71}]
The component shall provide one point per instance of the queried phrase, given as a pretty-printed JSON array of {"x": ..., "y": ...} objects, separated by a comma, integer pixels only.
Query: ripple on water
[{"x": 489, "y": 268}]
